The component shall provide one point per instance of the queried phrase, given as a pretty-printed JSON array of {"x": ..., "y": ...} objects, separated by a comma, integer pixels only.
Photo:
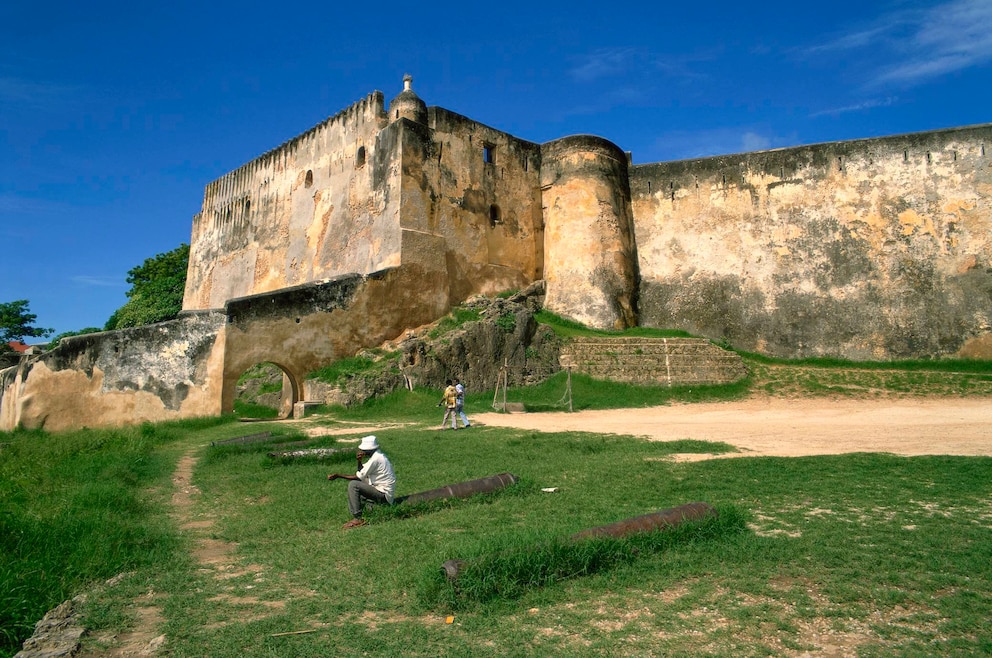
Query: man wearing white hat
[{"x": 375, "y": 482}]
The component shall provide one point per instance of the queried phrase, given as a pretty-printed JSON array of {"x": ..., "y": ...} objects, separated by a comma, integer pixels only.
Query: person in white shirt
[
  {"x": 375, "y": 481},
  {"x": 460, "y": 403}
]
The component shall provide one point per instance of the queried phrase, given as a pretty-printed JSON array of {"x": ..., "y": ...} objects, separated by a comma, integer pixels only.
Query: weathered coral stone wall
[
  {"x": 869, "y": 249},
  {"x": 474, "y": 192},
  {"x": 157, "y": 372},
  {"x": 323, "y": 204},
  {"x": 304, "y": 328}
]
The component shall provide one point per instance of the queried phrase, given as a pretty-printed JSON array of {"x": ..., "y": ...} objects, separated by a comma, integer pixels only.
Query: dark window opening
[
  {"x": 309, "y": 179},
  {"x": 494, "y": 216},
  {"x": 360, "y": 157},
  {"x": 488, "y": 153}
]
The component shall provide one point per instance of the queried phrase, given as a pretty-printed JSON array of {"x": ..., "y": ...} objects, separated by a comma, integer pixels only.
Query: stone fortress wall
[
  {"x": 869, "y": 249},
  {"x": 380, "y": 219}
]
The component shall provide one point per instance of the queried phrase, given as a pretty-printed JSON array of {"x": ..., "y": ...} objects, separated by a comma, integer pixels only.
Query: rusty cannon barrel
[
  {"x": 463, "y": 489},
  {"x": 663, "y": 520},
  {"x": 668, "y": 518}
]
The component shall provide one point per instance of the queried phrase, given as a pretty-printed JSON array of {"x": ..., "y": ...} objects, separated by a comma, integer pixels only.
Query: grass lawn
[{"x": 862, "y": 554}]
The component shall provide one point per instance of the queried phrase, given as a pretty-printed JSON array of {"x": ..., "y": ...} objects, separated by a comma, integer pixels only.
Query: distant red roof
[{"x": 18, "y": 346}]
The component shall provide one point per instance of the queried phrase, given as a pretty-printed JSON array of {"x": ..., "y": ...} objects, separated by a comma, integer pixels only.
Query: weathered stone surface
[
  {"x": 869, "y": 249},
  {"x": 156, "y": 372},
  {"x": 652, "y": 361},
  {"x": 57, "y": 634},
  {"x": 507, "y": 336}
]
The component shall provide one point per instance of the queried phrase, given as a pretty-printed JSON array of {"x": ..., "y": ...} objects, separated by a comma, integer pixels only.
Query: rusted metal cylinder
[
  {"x": 463, "y": 489},
  {"x": 662, "y": 520}
]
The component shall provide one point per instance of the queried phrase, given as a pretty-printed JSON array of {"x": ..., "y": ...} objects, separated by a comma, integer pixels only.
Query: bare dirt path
[{"x": 791, "y": 428}]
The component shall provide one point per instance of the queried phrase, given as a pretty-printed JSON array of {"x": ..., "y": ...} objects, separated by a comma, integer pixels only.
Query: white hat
[{"x": 369, "y": 443}]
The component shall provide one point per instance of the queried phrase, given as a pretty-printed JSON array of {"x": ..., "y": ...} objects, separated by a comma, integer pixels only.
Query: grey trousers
[{"x": 359, "y": 493}]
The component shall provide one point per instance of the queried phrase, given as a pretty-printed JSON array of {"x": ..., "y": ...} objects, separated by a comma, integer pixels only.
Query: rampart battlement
[
  {"x": 921, "y": 154},
  {"x": 370, "y": 110}
]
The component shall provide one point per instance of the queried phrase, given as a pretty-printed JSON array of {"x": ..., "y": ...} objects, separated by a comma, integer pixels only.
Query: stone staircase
[{"x": 652, "y": 361}]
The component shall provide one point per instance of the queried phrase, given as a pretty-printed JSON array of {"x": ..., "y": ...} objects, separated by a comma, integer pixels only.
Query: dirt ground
[{"x": 791, "y": 428}]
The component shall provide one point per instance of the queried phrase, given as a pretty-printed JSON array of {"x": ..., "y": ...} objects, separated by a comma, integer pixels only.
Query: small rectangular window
[{"x": 488, "y": 153}]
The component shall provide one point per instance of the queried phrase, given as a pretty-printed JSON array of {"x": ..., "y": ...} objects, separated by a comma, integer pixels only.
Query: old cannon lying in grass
[{"x": 656, "y": 521}]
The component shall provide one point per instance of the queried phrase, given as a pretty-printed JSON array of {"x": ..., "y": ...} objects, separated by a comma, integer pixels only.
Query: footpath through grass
[{"x": 869, "y": 554}]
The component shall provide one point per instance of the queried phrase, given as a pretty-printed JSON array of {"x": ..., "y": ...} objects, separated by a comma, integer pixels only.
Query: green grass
[
  {"x": 456, "y": 318},
  {"x": 889, "y": 555},
  {"x": 565, "y": 327}
]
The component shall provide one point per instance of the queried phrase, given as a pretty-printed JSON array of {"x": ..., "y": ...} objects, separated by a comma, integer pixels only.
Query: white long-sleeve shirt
[{"x": 378, "y": 472}]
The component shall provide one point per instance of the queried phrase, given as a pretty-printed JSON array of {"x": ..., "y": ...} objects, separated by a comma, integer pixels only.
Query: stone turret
[
  {"x": 407, "y": 105},
  {"x": 590, "y": 260}
]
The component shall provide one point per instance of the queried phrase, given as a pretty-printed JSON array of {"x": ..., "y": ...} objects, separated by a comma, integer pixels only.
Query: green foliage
[
  {"x": 910, "y": 365},
  {"x": 507, "y": 322},
  {"x": 343, "y": 368},
  {"x": 67, "y": 334},
  {"x": 75, "y": 508},
  {"x": 565, "y": 327},
  {"x": 835, "y": 377},
  {"x": 244, "y": 409},
  {"x": 589, "y": 393},
  {"x": 16, "y": 323},
  {"x": 156, "y": 293},
  {"x": 456, "y": 318}
]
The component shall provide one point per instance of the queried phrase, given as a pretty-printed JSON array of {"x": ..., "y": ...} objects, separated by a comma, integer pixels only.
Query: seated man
[{"x": 375, "y": 482}]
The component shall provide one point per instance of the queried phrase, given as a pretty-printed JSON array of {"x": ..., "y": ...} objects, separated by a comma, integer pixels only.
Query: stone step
[{"x": 666, "y": 361}]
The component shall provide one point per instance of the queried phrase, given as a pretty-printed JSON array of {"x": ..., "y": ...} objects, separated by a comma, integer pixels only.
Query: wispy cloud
[
  {"x": 98, "y": 281},
  {"x": 604, "y": 63},
  {"x": 640, "y": 63},
  {"x": 856, "y": 107},
  {"x": 681, "y": 145},
  {"x": 917, "y": 45}
]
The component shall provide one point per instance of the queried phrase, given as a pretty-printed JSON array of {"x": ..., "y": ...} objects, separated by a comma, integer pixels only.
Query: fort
[{"x": 384, "y": 217}]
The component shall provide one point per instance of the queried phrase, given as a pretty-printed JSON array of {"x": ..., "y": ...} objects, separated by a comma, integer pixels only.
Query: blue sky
[{"x": 115, "y": 115}]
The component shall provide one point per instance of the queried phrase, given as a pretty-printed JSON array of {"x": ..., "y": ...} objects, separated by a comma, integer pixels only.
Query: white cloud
[
  {"x": 605, "y": 62},
  {"x": 680, "y": 144},
  {"x": 98, "y": 281},
  {"x": 751, "y": 141},
  {"x": 856, "y": 107},
  {"x": 919, "y": 44}
]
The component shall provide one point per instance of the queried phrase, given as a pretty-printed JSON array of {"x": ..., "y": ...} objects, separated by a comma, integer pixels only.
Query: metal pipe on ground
[
  {"x": 463, "y": 489},
  {"x": 662, "y": 520}
]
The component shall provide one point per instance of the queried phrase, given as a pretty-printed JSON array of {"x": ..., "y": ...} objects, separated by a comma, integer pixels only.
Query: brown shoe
[{"x": 354, "y": 523}]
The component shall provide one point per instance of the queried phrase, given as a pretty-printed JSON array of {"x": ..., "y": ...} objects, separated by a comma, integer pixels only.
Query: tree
[
  {"x": 15, "y": 323},
  {"x": 156, "y": 293}
]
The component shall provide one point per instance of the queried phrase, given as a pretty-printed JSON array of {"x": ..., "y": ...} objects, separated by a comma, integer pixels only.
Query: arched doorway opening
[{"x": 264, "y": 391}]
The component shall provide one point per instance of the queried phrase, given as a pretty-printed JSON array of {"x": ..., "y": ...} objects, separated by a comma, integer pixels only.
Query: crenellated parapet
[{"x": 279, "y": 220}]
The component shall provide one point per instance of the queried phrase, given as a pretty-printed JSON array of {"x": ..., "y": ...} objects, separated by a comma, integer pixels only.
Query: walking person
[
  {"x": 374, "y": 483},
  {"x": 460, "y": 403},
  {"x": 450, "y": 401}
]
